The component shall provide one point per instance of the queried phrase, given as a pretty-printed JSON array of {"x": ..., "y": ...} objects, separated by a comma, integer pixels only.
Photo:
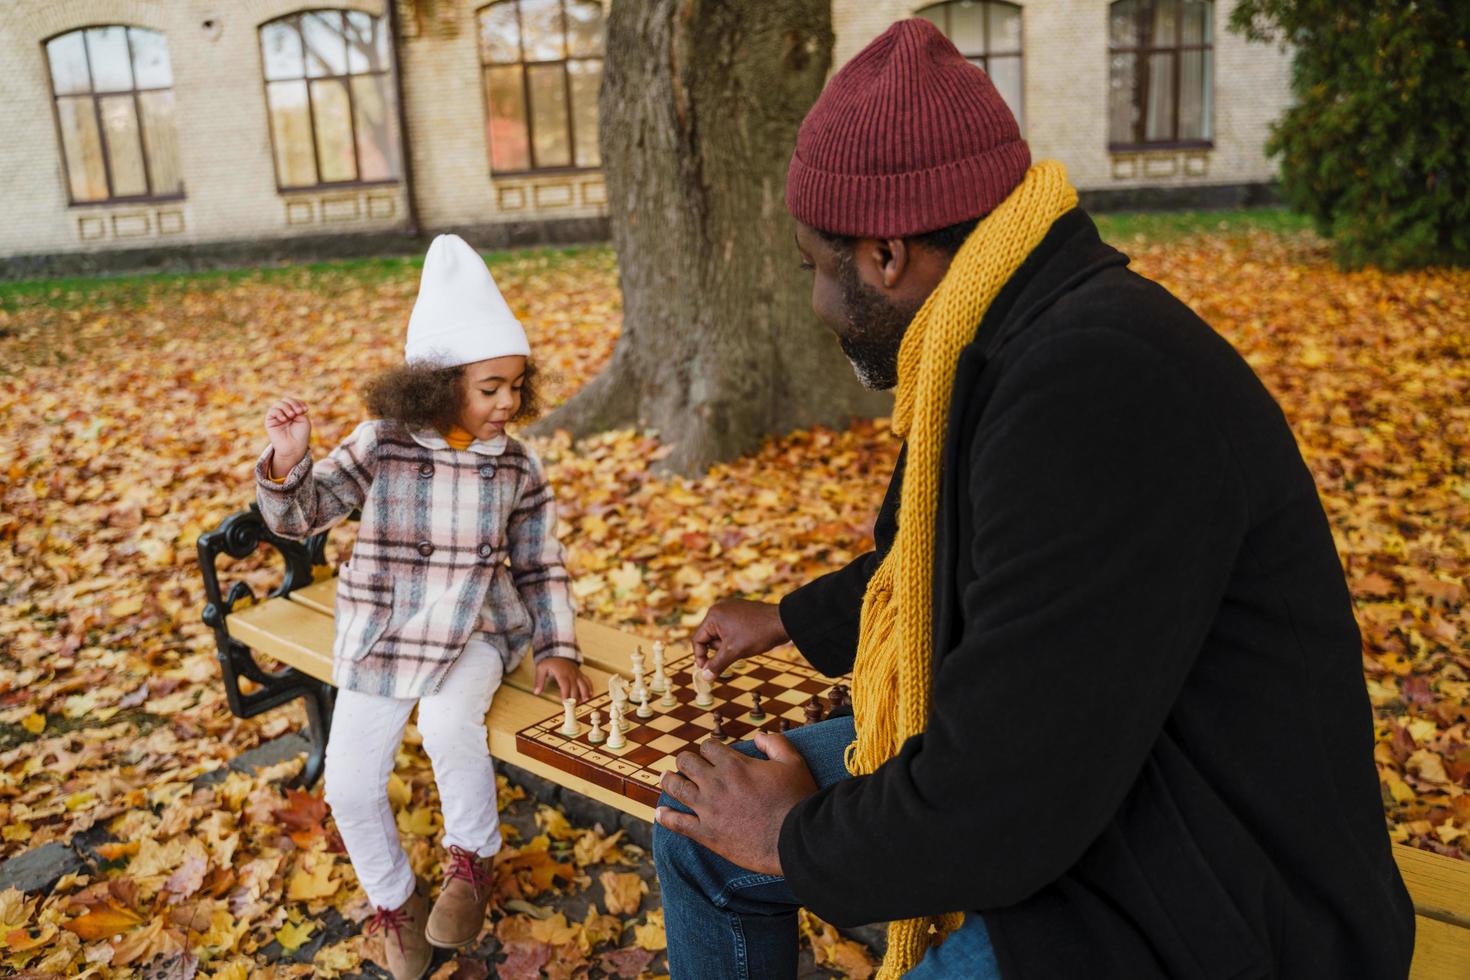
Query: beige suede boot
[
  {"x": 404, "y": 953},
  {"x": 459, "y": 912}
]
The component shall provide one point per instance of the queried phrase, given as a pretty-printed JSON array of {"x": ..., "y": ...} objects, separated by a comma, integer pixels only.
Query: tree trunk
[{"x": 698, "y": 117}]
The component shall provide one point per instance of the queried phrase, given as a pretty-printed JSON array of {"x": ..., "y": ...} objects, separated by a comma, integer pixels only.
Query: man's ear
[
  {"x": 887, "y": 260},
  {"x": 896, "y": 261}
]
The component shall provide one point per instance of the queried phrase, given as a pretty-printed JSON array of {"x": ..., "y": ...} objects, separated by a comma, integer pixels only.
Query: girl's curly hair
[{"x": 423, "y": 396}]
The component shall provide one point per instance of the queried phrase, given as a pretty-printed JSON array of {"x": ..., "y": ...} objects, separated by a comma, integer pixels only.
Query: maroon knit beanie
[{"x": 908, "y": 137}]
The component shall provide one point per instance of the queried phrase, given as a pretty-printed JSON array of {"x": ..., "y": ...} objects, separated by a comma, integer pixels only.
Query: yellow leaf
[
  {"x": 622, "y": 891},
  {"x": 419, "y": 821},
  {"x": 104, "y": 922},
  {"x": 398, "y": 792},
  {"x": 312, "y": 880},
  {"x": 293, "y": 935},
  {"x": 125, "y": 607},
  {"x": 554, "y": 822},
  {"x": 34, "y": 723},
  {"x": 650, "y": 935}
]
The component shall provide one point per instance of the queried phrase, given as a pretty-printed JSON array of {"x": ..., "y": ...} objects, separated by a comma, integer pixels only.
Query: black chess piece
[
  {"x": 720, "y": 726},
  {"x": 813, "y": 710},
  {"x": 839, "y": 697},
  {"x": 782, "y": 726},
  {"x": 756, "y": 712}
]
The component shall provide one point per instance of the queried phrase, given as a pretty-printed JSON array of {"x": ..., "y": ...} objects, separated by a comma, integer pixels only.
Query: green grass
[
  {"x": 337, "y": 275},
  {"x": 343, "y": 274},
  {"x": 1164, "y": 226}
]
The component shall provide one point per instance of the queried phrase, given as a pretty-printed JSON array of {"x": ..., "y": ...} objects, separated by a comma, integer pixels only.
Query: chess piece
[
  {"x": 720, "y": 726},
  {"x": 638, "y": 689},
  {"x": 703, "y": 689},
  {"x": 596, "y": 736},
  {"x": 659, "y": 683},
  {"x": 644, "y": 711},
  {"x": 839, "y": 697},
  {"x": 617, "y": 692},
  {"x": 782, "y": 726},
  {"x": 756, "y": 712},
  {"x": 668, "y": 700},
  {"x": 813, "y": 710},
  {"x": 569, "y": 725},
  {"x": 617, "y": 726}
]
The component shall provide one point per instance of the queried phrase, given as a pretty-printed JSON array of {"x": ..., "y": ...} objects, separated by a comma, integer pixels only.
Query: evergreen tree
[{"x": 1376, "y": 148}]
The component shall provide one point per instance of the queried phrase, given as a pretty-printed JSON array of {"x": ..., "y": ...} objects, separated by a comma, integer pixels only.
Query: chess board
[{"x": 653, "y": 743}]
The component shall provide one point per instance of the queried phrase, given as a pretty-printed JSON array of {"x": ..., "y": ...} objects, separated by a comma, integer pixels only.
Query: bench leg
[{"x": 319, "y": 704}]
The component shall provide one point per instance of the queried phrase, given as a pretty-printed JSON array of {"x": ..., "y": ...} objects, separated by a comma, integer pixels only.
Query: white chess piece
[
  {"x": 568, "y": 717},
  {"x": 596, "y": 736},
  {"x": 617, "y": 691},
  {"x": 638, "y": 689},
  {"x": 703, "y": 697},
  {"x": 659, "y": 682},
  {"x": 615, "y": 728},
  {"x": 644, "y": 711},
  {"x": 668, "y": 700}
]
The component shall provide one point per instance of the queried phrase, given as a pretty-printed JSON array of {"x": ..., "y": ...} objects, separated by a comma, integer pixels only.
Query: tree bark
[{"x": 698, "y": 116}]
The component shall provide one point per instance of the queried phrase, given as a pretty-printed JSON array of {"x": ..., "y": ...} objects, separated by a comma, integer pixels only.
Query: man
[{"x": 1107, "y": 681}]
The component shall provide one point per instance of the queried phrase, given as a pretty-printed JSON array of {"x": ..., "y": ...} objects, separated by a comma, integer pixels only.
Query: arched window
[
  {"x": 1160, "y": 89},
  {"x": 113, "y": 90},
  {"x": 542, "y": 64},
  {"x": 333, "y": 109},
  {"x": 988, "y": 33}
]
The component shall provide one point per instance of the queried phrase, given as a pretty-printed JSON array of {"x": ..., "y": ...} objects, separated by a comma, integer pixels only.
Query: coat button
[
  {"x": 426, "y": 470},
  {"x": 425, "y": 549},
  {"x": 487, "y": 470},
  {"x": 485, "y": 550}
]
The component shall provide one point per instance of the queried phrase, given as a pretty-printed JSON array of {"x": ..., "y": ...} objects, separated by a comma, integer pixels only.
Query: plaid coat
[{"x": 452, "y": 542}]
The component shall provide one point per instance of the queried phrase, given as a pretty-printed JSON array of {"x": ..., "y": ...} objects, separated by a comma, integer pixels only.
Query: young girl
[{"x": 455, "y": 571}]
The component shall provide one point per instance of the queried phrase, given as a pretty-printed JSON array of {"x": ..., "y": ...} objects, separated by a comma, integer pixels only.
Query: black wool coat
[{"x": 1150, "y": 746}]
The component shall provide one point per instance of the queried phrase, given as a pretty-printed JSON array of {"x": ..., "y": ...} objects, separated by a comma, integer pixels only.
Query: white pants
[{"x": 366, "y": 733}]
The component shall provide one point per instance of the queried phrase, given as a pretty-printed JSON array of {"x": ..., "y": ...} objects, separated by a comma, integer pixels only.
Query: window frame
[
  {"x": 524, "y": 66},
  {"x": 1019, "y": 54},
  {"x": 94, "y": 96},
  {"x": 390, "y": 72},
  {"x": 1140, "y": 52}
]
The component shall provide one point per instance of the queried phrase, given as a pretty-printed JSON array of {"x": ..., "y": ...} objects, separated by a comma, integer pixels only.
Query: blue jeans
[{"x": 724, "y": 921}]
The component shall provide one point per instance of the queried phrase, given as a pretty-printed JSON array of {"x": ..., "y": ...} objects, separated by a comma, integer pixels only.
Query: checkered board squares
[{"x": 653, "y": 743}]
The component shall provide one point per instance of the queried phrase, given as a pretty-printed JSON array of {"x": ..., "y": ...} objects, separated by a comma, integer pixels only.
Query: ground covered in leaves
[{"x": 130, "y": 415}]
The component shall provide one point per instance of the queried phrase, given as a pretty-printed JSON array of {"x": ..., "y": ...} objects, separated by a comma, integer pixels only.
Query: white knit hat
[{"x": 460, "y": 316}]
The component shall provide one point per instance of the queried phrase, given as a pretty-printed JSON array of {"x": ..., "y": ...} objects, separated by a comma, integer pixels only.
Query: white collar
[{"x": 430, "y": 439}]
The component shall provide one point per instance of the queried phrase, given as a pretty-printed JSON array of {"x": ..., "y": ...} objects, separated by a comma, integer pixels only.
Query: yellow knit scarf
[{"x": 891, "y": 676}]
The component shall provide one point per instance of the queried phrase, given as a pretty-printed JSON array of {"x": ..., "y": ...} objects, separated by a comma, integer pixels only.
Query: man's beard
[{"x": 877, "y": 329}]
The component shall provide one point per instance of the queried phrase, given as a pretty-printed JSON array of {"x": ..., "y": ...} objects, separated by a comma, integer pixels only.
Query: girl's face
[{"x": 492, "y": 395}]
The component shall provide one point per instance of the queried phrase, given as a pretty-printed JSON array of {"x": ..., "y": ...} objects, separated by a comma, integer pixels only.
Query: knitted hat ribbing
[{"x": 908, "y": 137}]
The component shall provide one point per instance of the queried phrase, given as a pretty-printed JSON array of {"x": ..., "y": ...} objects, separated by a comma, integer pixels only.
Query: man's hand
[
  {"x": 738, "y": 802},
  {"x": 573, "y": 683},
  {"x": 735, "y": 628}
]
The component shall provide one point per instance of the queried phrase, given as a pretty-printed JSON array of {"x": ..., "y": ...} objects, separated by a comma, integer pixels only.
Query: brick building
[{"x": 145, "y": 124}]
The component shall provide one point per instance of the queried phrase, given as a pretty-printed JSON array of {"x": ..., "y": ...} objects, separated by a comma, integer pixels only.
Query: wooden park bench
[{"x": 293, "y": 625}]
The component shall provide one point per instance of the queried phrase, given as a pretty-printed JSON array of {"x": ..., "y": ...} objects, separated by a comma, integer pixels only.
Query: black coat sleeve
[
  {"x": 822, "y": 616},
  {"x": 1107, "y": 513}
]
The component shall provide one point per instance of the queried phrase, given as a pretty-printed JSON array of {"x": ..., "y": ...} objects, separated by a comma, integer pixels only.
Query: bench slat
[
  {"x": 1441, "y": 950},
  {"x": 603, "y": 647},
  {"x": 1440, "y": 886}
]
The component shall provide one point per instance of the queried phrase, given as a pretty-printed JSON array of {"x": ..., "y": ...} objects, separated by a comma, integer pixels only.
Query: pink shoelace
[
  {"x": 465, "y": 865},
  {"x": 385, "y": 919}
]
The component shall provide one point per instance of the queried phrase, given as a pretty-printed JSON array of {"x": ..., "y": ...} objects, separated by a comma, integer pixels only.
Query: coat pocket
[
  {"x": 364, "y": 606},
  {"x": 1196, "y": 926}
]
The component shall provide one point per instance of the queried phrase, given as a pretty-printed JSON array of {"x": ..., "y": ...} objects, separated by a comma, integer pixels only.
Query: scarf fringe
[{"x": 892, "y": 672}]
